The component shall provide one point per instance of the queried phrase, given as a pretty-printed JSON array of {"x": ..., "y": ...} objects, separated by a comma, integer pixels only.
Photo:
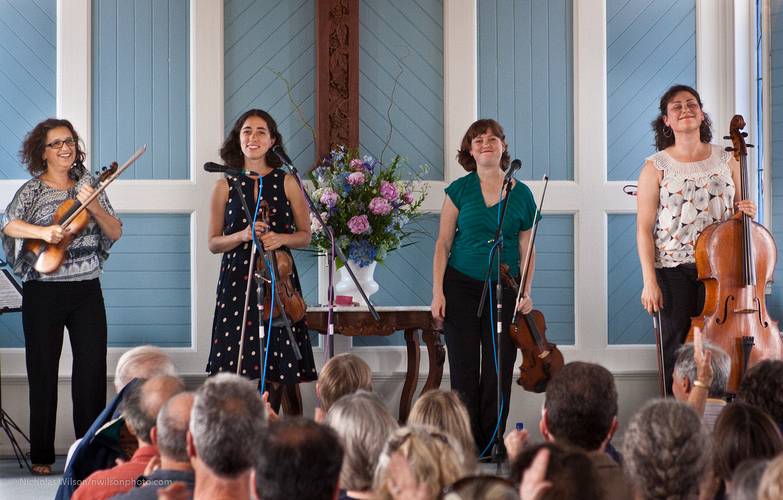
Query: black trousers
[
  {"x": 683, "y": 297},
  {"x": 47, "y": 308},
  {"x": 471, "y": 355}
]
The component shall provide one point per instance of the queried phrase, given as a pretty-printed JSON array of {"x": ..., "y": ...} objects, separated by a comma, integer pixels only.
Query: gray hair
[
  {"x": 746, "y": 479},
  {"x": 685, "y": 367},
  {"x": 666, "y": 450},
  {"x": 227, "y": 423},
  {"x": 363, "y": 424},
  {"x": 172, "y": 426},
  {"x": 144, "y": 361},
  {"x": 141, "y": 405}
]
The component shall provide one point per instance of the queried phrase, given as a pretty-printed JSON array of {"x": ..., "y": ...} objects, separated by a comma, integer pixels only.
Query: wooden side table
[{"x": 415, "y": 321}]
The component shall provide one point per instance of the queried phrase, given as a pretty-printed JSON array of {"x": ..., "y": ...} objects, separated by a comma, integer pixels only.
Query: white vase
[{"x": 364, "y": 275}]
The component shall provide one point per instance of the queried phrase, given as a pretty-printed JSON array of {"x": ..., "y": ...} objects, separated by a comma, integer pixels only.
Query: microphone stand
[
  {"x": 497, "y": 249},
  {"x": 329, "y": 350}
]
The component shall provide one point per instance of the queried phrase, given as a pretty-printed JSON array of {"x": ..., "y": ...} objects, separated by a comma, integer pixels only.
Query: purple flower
[
  {"x": 356, "y": 178},
  {"x": 329, "y": 198},
  {"x": 408, "y": 198},
  {"x": 357, "y": 165},
  {"x": 379, "y": 206},
  {"x": 388, "y": 190},
  {"x": 358, "y": 224},
  {"x": 362, "y": 252}
]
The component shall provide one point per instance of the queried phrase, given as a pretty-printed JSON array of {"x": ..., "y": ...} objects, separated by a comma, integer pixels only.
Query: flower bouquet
[{"x": 366, "y": 204}]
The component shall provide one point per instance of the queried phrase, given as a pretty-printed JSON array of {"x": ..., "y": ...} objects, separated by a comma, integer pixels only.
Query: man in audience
[
  {"x": 300, "y": 459},
  {"x": 140, "y": 410},
  {"x": 88, "y": 454},
  {"x": 227, "y": 424},
  {"x": 684, "y": 379},
  {"x": 169, "y": 435},
  {"x": 761, "y": 387},
  {"x": 580, "y": 410}
]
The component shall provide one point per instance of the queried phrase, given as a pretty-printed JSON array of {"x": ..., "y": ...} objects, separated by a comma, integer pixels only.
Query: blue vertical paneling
[
  {"x": 146, "y": 282},
  {"x": 628, "y": 322},
  {"x": 525, "y": 67},
  {"x": 403, "y": 41},
  {"x": 140, "y": 85},
  {"x": 146, "y": 285},
  {"x": 263, "y": 39},
  {"x": 775, "y": 301},
  {"x": 28, "y": 61},
  {"x": 650, "y": 45}
]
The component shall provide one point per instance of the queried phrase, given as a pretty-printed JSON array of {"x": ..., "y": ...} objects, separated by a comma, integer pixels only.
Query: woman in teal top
[{"x": 468, "y": 222}]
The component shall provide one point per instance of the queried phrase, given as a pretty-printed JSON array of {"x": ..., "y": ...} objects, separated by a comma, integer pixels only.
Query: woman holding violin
[
  {"x": 68, "y": 297},
  {"x": 683, "y": 188},
  {"x": 468, "y": 221},
  {"x": 248, "y": 147}
]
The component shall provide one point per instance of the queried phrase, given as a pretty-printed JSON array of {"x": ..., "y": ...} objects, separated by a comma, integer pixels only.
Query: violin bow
[{"x": 529, "y": 252}]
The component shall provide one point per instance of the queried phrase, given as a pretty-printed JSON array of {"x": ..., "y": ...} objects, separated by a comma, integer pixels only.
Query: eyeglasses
[{"x": 58, "y": 144}]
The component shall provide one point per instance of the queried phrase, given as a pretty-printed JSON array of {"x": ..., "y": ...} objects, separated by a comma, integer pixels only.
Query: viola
[
  {"x": 73, "y": 217},
  {"x": 286, "y": 293},
  {"x": 541, "y": 359},
  {"x": 735, "y": 259}
]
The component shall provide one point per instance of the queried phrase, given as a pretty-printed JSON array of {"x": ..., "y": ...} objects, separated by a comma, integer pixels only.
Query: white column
[{"x": 715, "y": 61}]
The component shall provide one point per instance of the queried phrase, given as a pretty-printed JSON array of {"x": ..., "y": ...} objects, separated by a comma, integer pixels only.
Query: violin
[
  {"x": 285, "y": 292},
  {"x": 541, "y": 359},
  {"x": 73, "y": 217},
  {"x": 735, "y": 259}
]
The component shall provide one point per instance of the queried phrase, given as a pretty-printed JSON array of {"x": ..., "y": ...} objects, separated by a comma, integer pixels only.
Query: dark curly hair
[
  {"x": 743, "y": 432},
  {"x": 231, "y": 151},
  {"x": 761, "y": 387},
  {"x": 664, "y": 137},
  {"x": 581, "y": 404},
  {"x": 476, "y": 129},
  {"x": 34, "y": 144},
  {"x": 570, "y": 471}
]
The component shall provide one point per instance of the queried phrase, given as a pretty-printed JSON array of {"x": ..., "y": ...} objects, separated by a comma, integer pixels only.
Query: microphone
[
  {"x": 515, "y": 165},
  {"x": 278, "y": 150},
  {"x": 223, "y": 169}
]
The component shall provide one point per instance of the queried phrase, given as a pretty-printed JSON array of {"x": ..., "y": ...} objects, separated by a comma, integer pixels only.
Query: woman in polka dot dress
[{"x": 248, "y": 147}]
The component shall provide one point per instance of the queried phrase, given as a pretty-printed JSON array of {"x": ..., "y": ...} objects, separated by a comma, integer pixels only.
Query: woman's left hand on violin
[
  {"x": 746, "y": 206},
  {"x": 272, "y": 240},
  {"x": 84, "y": 193},
  {"x": 525, "y": 304}
]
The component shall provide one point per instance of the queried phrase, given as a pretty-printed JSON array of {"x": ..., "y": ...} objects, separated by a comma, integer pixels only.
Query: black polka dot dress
[{"x": 282, "y": 366}]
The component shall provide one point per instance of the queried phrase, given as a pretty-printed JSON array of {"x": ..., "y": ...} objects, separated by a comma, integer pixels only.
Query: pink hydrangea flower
[
  {"x": 408, "y": 198},
  {"x": 388, "y": 190},
  {"x": 357, "y": 165},
  {"x": 379, "y": 206},
  {"x": 356, "y": 178},
  {"x": 329, "y": 198},
  {"x": 358, "y": 224}
]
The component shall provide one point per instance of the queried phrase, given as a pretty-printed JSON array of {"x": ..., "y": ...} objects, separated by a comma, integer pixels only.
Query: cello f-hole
[
  {"x": 722, "y": 320},
  {"x": 764, "y": 324}
]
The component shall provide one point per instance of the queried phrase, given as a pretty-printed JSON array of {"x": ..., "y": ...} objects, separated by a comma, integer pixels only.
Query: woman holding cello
[
  {"x": 683, "y": 188},
  {"x": 248, "y": 147},
  {"x": 68, "y": 297},
  {"x": 468, "y": 221}
]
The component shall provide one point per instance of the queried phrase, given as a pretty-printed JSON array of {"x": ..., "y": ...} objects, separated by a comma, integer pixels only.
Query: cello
[{"x": 735, "y": 260}]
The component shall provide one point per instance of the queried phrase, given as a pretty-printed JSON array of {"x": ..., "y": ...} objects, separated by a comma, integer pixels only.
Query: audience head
[
  {"x": 435, "y": 459},
  {"x": 771, "y": 485},
  {"x": 227, "y": 423},
  {"x": 481, "y": 487},
  {"x": 363, "y": 424},
  {"x": 761, "y": 388},
  {"x": 144, "y": 361},
  {"x": 666, "y": 450},
  {"x": 570, "y": 471},
  {"x": 685, "y": 371},
  {"x": 581, "y": 406},
  {"x": 743, "y": 432},
  {"x": 746, "y": 478},
  {"x": 299, "y": 459},
  {"x": 141, "y": 405},
  {"x": 171, "y": 428},
  {"x": 343, "y": 374},
  {"x": 444, "y": 410}
]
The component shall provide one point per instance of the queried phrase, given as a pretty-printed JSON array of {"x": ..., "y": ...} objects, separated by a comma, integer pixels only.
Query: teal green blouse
[{"x": 477, "y": 223}]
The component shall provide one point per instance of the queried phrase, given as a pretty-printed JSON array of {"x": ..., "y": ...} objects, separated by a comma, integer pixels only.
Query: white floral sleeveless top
[{"x": 693, "y": 195}]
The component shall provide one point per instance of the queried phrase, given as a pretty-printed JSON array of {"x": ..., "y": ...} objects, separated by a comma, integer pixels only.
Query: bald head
[
  {"x": 172, "y": 423},
  {"x": 142, "y": 404}
]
